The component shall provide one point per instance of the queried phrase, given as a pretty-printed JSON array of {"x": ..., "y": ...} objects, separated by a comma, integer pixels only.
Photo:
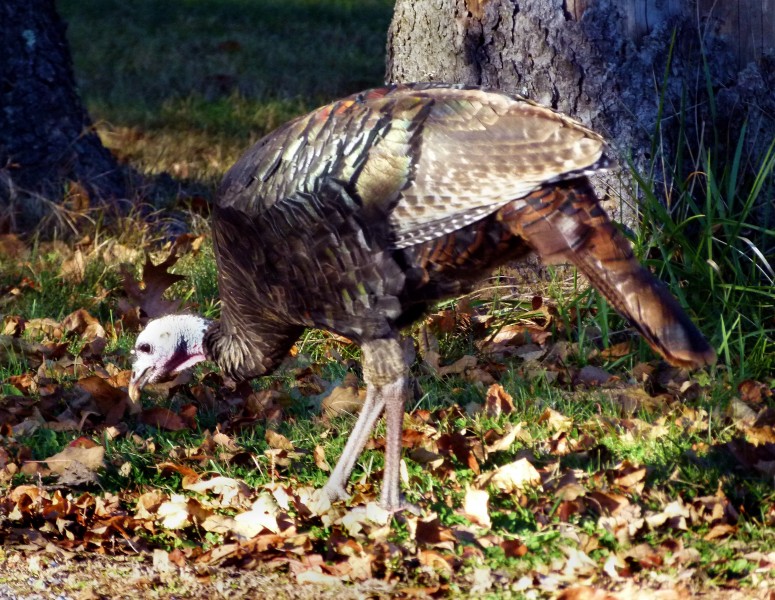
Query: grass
[
  {"x": 185, "y": 86},
  {"x": 258, "y": 64}
]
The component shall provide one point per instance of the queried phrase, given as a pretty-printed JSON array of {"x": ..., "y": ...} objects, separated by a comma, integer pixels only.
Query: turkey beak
[{"x": 136, "y": 384}]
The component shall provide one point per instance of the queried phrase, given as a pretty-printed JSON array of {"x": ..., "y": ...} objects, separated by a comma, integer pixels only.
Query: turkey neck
[{"x": 246, "y": 352}]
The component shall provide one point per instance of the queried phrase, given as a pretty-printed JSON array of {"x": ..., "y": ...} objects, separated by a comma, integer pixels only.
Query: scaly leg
[
  {"x": 395, "y": 397},
  {"x": 384, "y": 366},
  {"x": 371, "y": 411}
]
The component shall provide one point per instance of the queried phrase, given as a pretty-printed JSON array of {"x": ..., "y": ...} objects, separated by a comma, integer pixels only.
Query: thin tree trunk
[{"x": 47, "y": 144}]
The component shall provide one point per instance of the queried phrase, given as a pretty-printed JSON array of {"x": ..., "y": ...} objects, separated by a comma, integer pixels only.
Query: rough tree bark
[
  {"x": 604, "y": 61},
  {"x": 47, "y": 144}
]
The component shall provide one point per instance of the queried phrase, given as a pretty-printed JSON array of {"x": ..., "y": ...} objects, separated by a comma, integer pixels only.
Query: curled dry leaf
[
  {"x": 673, "y": 514},
  {"x": 631, "y": 477},
  {"x": 742, "y": 414},
  {"x": 319, "y": 454},
  {"x": 83, "y": 324},
  {"x": 364, "y": 517},
  {"x": 498, "y": 401},
  {"x": 720, "y": 531},
  {"x": 555, "y": 421},
  {"x": 224, "y": 441},
  {"x": 267, "y": 404},
  {"x": 424, "y": 456},
  {"x": 189, "y": 475},
  {"x": 278, "y": 441},
  {"x": 435, "y": 561},
  {"x": 510, "y": 336},
  {"x": 441, "y": 322},
  {"x": 309, "y": 383},
  {"x": 185, "y": 243},
  {"x": 615, "y": 351},
  {"x": 29, "y": 425},
  {"x": 513, "y": 548},
  {"x": 13, "y": 325},
  {"x": 431, "y": 532},
  {"x": 754, "y": 392},
  {"x": 459, "y": 445},
  {"x": 148, "y": 504},
  {"x": 45, "y": 328},
  {"x": 429, "y": 347},
  {"x": 499, "y": 443}
]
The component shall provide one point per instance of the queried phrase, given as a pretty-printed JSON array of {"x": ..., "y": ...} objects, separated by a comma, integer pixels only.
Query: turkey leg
[
  {"x": 370, "y": 412},
  {"x": 395, "y": 396}
]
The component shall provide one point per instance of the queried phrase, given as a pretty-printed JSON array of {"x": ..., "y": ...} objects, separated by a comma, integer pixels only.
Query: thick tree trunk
[
  {"x": 604, "y": 61},
  {"x": 47, "y": 145}
]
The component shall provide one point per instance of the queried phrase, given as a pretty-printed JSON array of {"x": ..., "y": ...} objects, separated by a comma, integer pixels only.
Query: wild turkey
[{"x": 357, "y": 217}]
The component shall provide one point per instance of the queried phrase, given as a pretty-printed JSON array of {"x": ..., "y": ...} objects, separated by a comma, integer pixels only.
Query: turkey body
[{"x": 357, "y": 217}]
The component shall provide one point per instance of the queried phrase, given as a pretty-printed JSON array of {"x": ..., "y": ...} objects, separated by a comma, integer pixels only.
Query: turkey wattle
[{"x": 357, "y": 217}]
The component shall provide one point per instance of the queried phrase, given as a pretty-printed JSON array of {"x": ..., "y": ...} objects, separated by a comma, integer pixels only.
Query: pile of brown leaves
[{"x": 220, "y": 520}]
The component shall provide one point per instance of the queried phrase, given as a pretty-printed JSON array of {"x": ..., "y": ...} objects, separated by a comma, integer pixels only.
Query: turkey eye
[{"x": 144, "y": 348}]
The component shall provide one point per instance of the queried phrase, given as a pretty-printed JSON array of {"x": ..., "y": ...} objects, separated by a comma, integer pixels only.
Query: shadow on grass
[{"x": 136, "y": 61}]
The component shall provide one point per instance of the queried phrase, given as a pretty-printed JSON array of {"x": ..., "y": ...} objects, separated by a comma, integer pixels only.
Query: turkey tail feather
[{"x": 565, "y": 222}]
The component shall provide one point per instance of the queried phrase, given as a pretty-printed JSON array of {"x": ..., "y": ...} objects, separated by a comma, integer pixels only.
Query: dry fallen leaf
[
  {"x": 162, "y": 418},
  {"x": 753, "y": 392},
  {"x": 232, "y": 492},
  {"x": 461, "y": 446},
  {"x": 278, "y": 441},
  {"x": 475, "y": 506},
  {"x": 512, "y": 477},
  {"x": 555, "y": 420},
  {"x": 185, "y": 243},
  {"x": 83, "y": 324},
  {"x": 511, "y": 336},
  {"x": 111, "y": 401},
  {"x": 345, "y": 399},
  {"x": 149, "y": 298},
  {"x": 262, "y": 515},
  {"x": 91, "y": 458},
  {"x": 319, "y": 454},
  {"x": 498, "y": 401},
  {"x": 720, "y": 531},
  {"x": 174, "y": 513},
  {"x": 459, "y": 367},
  {"x": 513, "y": 548},
  {"x": 497, "y": 441},
  {"x": 73, "y": 269},
  {"x": 591, "y": 376},
  {"x": 317, "y": 578}
]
